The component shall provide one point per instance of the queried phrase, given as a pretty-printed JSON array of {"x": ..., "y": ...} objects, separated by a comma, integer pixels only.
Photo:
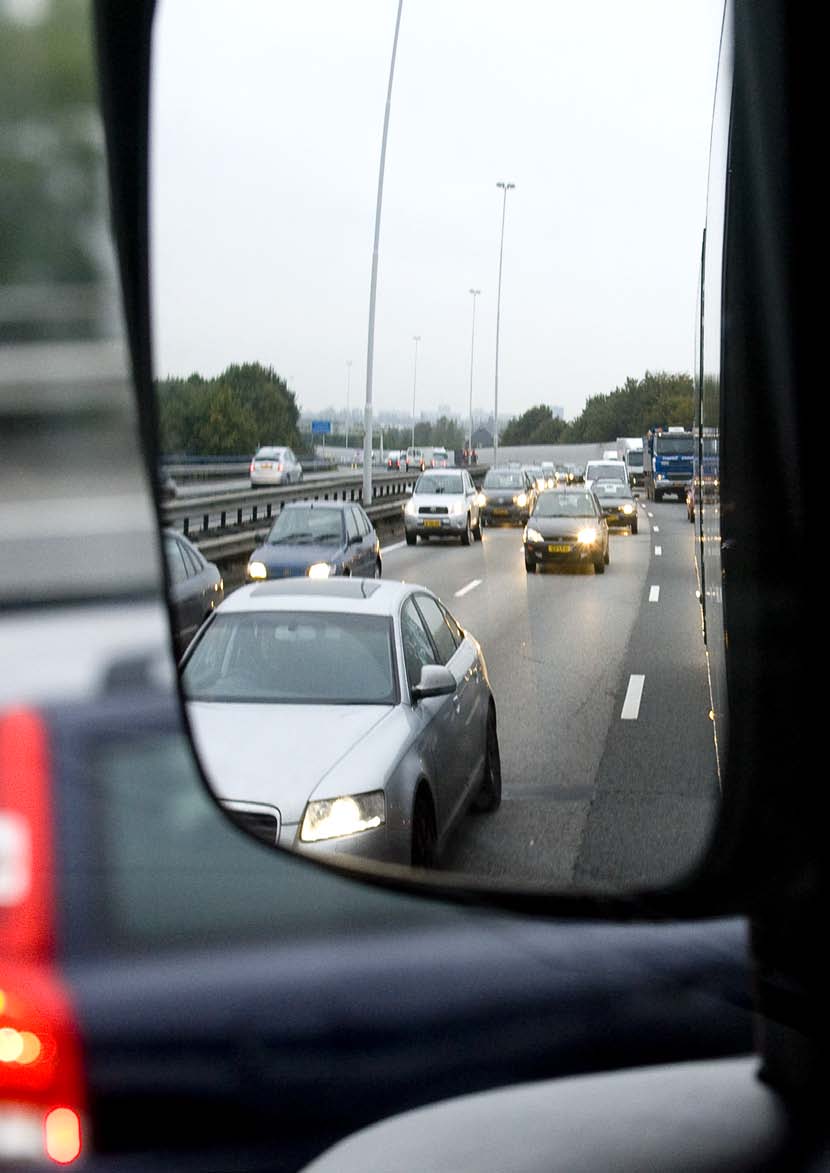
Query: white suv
[{"x": 443, "y": 505}]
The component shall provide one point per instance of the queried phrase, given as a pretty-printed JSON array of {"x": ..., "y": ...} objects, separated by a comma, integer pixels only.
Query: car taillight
[
  {"x": 253, "y": 466},
  {"x": 42, "y": 1087},
  {"x": 279, "y": 467}
]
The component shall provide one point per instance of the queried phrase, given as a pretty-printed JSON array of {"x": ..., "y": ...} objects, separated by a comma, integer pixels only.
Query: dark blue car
[{"x": 318, "y": 539}]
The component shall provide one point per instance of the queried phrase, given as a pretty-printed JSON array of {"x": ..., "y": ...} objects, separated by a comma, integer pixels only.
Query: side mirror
[{"x": 436, "y": 680}]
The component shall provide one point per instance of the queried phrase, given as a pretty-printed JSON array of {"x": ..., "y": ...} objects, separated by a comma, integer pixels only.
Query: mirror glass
[{"x": 514, "y": 312}]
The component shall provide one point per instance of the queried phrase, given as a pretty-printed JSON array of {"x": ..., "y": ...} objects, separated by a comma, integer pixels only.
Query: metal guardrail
[
  {"x": 215, "y": 468},
  {"x": 227, "y": 524}
]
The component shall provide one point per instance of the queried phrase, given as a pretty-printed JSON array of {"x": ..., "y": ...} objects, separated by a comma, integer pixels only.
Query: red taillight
[
  {"x": 253, "y": 463},
  {"x": 279, "y": 468},
  {"x": 42, "y": 1089}
]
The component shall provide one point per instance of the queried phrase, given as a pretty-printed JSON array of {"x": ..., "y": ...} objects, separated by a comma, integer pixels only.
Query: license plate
[
  {"x": 433, "y": 524},
  {"x": 613, "y": 516},
  {"x": 261, "y": 466},
  {"x": 501, "y": 512},
  {"x": 559, "y": 549}
]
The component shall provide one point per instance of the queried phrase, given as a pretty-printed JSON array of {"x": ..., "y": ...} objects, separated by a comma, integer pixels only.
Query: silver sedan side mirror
[{"x": 436, "y": 680}]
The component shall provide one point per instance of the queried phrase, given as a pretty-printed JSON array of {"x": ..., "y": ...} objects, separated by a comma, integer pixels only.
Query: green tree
[{"x": 236, "y": 412}]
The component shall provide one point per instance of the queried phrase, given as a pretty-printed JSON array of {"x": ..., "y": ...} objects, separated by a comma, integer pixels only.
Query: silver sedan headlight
[
  {"x": 257, "y": 570},
  {"x": 333, "y": 818}
]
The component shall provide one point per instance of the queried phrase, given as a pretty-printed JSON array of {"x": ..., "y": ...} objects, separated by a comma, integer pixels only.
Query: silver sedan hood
[{"x": 276, "y": 754}]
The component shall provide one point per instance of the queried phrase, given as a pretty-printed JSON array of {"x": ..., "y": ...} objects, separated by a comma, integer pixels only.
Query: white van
[{"x": 605, "y": 470}]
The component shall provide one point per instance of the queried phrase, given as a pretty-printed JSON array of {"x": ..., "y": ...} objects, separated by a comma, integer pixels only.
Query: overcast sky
[{"x": 267, "y": 120}]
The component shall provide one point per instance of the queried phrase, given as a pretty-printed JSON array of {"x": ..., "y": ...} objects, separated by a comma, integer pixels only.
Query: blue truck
[{"x": 667, "y": 462}]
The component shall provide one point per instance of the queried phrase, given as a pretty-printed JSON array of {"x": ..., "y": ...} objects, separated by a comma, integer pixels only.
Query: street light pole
[
  {"x": 370, "y": 347},
  {"x": 506, "y": 187},
  {"x": 348, "y": 389},
  {"x": 416, "y": 338},
  {"x": 475, "y": 293}
]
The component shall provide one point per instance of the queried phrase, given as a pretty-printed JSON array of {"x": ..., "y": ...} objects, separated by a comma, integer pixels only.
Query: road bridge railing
[{"x": 228, "y": 524}]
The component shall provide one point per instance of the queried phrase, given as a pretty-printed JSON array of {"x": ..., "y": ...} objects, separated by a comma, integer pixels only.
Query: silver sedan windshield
[{"x": 294, "y": 657}]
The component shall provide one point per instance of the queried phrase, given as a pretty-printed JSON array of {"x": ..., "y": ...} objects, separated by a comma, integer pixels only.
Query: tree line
[
  {"x": 249, "y": 405},
  {"x": 629, "y": 410}
]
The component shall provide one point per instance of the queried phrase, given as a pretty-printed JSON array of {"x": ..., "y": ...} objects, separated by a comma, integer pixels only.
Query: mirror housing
[{"x": 436, "y": 680}]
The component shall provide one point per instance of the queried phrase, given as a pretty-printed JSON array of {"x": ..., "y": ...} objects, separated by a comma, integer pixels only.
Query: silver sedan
[{"x": 344, "y": 715}]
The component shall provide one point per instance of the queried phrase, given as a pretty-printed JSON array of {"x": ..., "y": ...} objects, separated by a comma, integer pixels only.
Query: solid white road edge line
[
  {"x": 633, "y": 696},
  {"x": 394, "y": 546},
  {"x": 471, "y": 586}
]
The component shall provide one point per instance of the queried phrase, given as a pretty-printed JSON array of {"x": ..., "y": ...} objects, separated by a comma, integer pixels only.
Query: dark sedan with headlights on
[
  {"x": 566, "y": 526},
  {"x": 318, "y": 539},
  {"x": 618, "y": 504},
  {"x": 507, "y": 496}
]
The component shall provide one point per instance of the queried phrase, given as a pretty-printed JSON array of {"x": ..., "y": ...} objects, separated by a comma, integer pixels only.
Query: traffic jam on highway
[{"x": 456, "y": 685}]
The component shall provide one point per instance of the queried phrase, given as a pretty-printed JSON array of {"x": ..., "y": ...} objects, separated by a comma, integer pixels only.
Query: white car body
[
  {"x": 605, "y": 470},
  {"x": 274, "y": 466}
]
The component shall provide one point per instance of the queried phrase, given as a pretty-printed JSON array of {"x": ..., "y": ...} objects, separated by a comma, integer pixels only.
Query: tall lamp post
[
  {"x": 506, "y": 187},
  {"x": 348, "y": 389},
  {"x": 475, "y": 293},
  {"x": 416, "y": 338},
  {"x": 370, "y": 346}
]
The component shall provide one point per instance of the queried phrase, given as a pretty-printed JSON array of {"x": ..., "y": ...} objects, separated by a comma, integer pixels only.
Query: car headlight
[
  {"x": 520, "y": 500},
  {"x": 410, "y": 509},
  {"x": 481, "y": 500},
  {"x": 587, "y": 537},
  {"x": 628, "y": 509},
  {"x": 257, "y": 570},
  {"x": 332, "y": 818},
  {"x": 320, "y": 570},
  {"x": 659, "y": 477},
  {"x": 532, "y": 535}
]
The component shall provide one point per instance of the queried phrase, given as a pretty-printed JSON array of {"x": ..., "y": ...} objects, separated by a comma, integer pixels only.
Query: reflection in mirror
[{"x": 537, "y": 708}]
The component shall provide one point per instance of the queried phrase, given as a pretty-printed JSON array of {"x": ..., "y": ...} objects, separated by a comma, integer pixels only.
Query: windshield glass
[
  {"x": 439, "y": 483},
  {"x": 635, "y": 458},
  {"x": 269, "y": 454},
  {"x": 565, "y": 505},
  {"x": 673, "y": 445},
  {"x": 605, "y": 472},
  {"x": 307, "y": 526},
  {"x": 294, "y": 658},
  {"x": 496, "y": 479}
]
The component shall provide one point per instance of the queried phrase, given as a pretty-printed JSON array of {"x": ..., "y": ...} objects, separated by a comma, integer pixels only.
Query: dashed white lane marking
[
  {"x": 658, "y": 550},
  {"x": 654, "y": 595},
  {"x": 649, "y": 513},
  {"x": 471, "y": 586},
  {"x": 633, "y": 696},
  {"x": 394, "y": 546},
  {"x": 656, "y": 529}
]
